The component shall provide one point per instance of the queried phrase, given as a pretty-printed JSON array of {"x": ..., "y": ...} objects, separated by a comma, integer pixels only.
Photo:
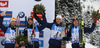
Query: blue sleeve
[
  {"x": 3, "y": 28},
  {"x": 89, "y": 30},
  {"x": 40, "y": 28},
  {"x": 49, "y": 25}
]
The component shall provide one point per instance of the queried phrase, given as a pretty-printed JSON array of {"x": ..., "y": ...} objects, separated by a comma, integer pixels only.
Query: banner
[{"x": 4, "y": 3}]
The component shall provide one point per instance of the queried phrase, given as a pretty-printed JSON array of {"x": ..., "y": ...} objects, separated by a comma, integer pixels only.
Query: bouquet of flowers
[
  {"x": 21, "y": 40},
  {"x": 96, "y": 15},
  {"x": 39, "y": 8}
]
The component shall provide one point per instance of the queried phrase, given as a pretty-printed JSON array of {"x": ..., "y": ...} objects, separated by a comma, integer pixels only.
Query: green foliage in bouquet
[
  {"x": 21, "y": 40},
  {"x": 96, "y": 14},
  {"x": 38, "y": 8}
]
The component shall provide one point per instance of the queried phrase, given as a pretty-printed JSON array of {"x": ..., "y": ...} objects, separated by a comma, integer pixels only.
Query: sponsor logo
[
  {"x": 6, "y": 23},
  {"x": 3, "y": 3},
  {"x": 8, "y": 14},
  {"x": 41, "y": 43},
  {"x": 41, "y": 34},
  {"x": 22, "y": 23}
]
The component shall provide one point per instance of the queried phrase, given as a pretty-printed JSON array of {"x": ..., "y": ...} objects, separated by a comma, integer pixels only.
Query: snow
[
  {"x": 87, "y": 45},
  {"x": 68, "y": 45}
]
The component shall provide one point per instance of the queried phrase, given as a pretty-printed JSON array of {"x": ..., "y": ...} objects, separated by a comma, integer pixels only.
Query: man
[
  {"x": 37, "y": 29},
  {"x": 74, "y": 32},
  {"x": 9, "y": 32},
  {"x": 55, "y": 27}
]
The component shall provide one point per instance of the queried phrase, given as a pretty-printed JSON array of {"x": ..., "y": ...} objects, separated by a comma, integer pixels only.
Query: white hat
[
  {"x": 12, "y": 19},
  {"x": 59, "y": 16}
]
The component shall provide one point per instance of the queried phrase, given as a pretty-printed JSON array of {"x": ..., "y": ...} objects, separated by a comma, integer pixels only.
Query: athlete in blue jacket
[
  {"x": 37, "y": 29},
  {"x": 9, "y": 32},
  {"x": 74, "y": 33},
  {"x": 55, "y": 27}
]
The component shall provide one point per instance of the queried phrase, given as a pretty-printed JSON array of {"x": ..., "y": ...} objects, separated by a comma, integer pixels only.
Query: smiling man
[
  {"x": 74, "y": 32},
  {"x": 10, "y": 33}
]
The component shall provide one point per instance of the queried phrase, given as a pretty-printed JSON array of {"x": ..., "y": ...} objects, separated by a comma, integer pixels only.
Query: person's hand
[
  {"x": 34, "y": 14},
  {"x": 64, "y": 38},
  {"x": 43, "y": 13},
  {"x": 3, "y": 13},
  {"x": 95, "y": 20},
  {"x": 16, "y": 46}
]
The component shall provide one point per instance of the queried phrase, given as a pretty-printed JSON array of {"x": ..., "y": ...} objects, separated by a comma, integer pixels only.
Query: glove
[
  {"x": 34, "y": 14},
  {"x": 2, "y": 14},
  {"x": 33, "y": 32},
  {"x": 62, "y": 15},
  {"x": 43, "y": 13},
  {"x": 95, "y": 20},
  {"x": 64, "y": 38},
  {"x": 66, "y": 31}
]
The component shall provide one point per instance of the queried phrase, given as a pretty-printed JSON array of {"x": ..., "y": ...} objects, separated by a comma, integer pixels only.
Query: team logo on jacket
[
  {"x": 75, "y": 35},
  {"x": 56, "y": 31}
]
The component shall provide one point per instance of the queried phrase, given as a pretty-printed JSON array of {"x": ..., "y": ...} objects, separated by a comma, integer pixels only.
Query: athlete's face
[
  {"x": 58, "y": 20},
  {"x": 76, "y": 22},
  {"x": 13, "y": 23},
  {"x": 30, "y": 22}
]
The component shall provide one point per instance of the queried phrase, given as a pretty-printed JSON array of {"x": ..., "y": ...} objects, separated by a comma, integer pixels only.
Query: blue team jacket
[
  {"x": 37, "y": 30},
  {"x": 86, "y": 30},
  {"x": 53, "y": 27},
  {"x": 9, "y": 32}
]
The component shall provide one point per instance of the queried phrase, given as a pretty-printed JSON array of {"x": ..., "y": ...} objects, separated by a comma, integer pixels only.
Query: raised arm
[
  {"x": 89, "y": 30},
  {"x": 43, "y": 25},
  {"x": 38, "y": 19},
  {"x": 44, "y": 21},
  {"x": 3, "y": 28}
]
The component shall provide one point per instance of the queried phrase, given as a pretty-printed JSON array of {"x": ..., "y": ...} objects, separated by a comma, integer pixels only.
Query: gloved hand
[
  {"x": 66, "y": 31},
  {"x": 33, "y": 32},
  {"x": 95, "y": 20},
  {"x": 2, "y": 14},
  {"x": 34, "y": 13},
  {"x": 64, "y": 38},
  {"x": 62, "y": 15},
  {"x": 43, "y": 13}
]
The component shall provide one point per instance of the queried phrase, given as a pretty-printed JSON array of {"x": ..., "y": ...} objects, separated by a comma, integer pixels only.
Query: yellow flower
[
  {"x": 18, "y": 35},
  {"x": 23, "y": 42},
  {"x": 20, "y": 38}
]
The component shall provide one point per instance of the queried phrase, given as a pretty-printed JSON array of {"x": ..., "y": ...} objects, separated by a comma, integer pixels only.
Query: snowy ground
[{"x": 87, "y": 45}]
